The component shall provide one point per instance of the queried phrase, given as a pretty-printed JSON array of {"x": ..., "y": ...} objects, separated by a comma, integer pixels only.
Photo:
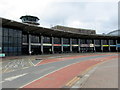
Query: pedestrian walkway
[{"x": 102, "y": 76}]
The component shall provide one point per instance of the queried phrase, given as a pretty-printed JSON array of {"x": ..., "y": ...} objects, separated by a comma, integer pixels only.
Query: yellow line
[
  {"x": 71, "y": 81},
  {"x": 75, "y": 79}
]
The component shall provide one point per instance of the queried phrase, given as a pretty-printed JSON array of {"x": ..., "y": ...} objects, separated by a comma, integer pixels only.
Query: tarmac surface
[{"x": 51, "y": 69}]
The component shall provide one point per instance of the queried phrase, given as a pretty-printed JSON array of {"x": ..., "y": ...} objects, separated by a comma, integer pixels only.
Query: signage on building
[
  {"x": 97, "y": 45},
  {"x": 66, "y": 45},
  {"x": 91, "y": 45},
  {"x": 75, "y": 45},
  {"x": 112, "y": 45},
  {"x": 35, "y": 44},
  {"x": 57, "y": 45},
  {"x": 87, "y": 45},
  {"x": 2, "y": 54},
  {"x": 105, "y": 45},
  {"x": 47, "y": 44},
  {"x": 118, "y": 45}
]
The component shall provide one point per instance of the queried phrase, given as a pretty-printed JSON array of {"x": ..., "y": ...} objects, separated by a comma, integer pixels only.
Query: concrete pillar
[
  {"x": 29, "y": 44},
  {"x": 94, "y": 45},
  {"x": 101, "y": 45},
  {"x": 79, "y": 45},
  {"x": 52, "y": 44},
  {"x": 41, "y": 44},
  {"x": 109, "y": 45},
  {"x": 70, "y": 44},
  {"x": 116, "y": 45},
  {"x": 62, "y": 45}
]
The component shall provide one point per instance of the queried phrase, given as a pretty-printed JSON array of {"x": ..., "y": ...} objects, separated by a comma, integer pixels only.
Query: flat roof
[{"x": 34, "y": 29}]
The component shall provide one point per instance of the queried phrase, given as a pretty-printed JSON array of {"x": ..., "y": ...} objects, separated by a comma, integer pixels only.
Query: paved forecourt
[{"x": 29, "y": 76}]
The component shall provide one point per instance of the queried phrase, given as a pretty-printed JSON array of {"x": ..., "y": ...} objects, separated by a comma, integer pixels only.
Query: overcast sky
[{"x": 100, "y": 15}]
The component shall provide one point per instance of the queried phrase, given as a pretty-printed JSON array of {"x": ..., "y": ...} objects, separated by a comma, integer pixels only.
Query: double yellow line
[{"x": 77, "y": 78}]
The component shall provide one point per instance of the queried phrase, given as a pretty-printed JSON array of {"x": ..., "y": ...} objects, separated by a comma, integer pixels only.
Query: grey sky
[{"x": 100, "y": 16}]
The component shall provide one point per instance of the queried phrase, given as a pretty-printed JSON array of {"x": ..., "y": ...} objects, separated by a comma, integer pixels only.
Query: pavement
[
  {"x": 104, "y": 75},
  {"x": 56, "y": 71}
]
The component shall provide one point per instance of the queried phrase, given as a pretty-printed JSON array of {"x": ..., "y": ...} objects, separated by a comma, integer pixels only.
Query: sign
[
  {"x": 74, "y": 45},
  {"x": 112, "y": 45},
  {"x": 118, "y": 45},
  {"x": 97, "y": 45},
  {"x": 57, "y": 45},
  {"x": 35, "y": 44},
  {"x": 2, "y": 54},
  {"x": 47, "y": 44},
  {"x": 91, "y": 45},
  {"x": 66, "y": 45},
  {"x": 105, "y": 45}
]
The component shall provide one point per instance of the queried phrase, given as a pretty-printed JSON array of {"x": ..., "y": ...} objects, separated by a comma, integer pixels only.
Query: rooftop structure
[
  {"x": 114, "y": 33},
  {"x": 30, "y": 19},
  {"x": 77, "y": 30}
]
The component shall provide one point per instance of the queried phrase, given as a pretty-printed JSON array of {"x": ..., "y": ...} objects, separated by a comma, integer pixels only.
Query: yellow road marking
[{"x": 75, "y": 79}]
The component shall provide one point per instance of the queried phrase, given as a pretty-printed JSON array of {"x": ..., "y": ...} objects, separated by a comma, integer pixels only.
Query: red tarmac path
[
  {"x": 59, "y": 78},
  {"x": 65, "y": 58}
]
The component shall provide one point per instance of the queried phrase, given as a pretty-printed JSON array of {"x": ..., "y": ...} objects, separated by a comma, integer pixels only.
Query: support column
[
  {"x": 109, "y": 45},
  {"x": 62, "y": 45},
  {"x": 41, "y": 44},
  {"x": 116, "y": 45},
  {"x": 52, "y": 45},
  {"x": 101, "y": 45},
  {"x": 94, "y": 45},
  {"x": 79, "y": 45},
  {"x": 70, "y": 44},
  {"x": 29, "y": 44}
]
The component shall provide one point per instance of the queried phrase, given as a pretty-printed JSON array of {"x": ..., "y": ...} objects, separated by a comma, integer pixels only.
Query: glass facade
[
  {"x": 34, "y": 39},
  {"x": 46, "y": 40},
  {"x": 12, "y": 39},
  {"x": 57, "y": 40},
  {"x": 97, "y": 42},
  {"x": 74, "y": 41},
  {"x": 66, "y": 41},
  {"x": 83, "y": 41},
  {"x": 105, "y": 42},
  {"x": 89, "y": 41}
]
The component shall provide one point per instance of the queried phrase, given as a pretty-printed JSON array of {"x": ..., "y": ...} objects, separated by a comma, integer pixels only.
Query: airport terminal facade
[{"x": 27, "y": 38}]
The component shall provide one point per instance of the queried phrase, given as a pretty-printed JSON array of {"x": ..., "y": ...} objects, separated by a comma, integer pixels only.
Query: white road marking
[
  {"x": 2, "y": 81},
  {"x": 25, "y": 67},
  {"x": 38, "y": 62},
  {"x": 46, "y": 75},
  {"x": 31, "y": 62},
  {"x": 15, "y": 77}
]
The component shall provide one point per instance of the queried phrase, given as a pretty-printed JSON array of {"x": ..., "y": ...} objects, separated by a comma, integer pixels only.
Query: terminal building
[{"x": 29, "y": 38}]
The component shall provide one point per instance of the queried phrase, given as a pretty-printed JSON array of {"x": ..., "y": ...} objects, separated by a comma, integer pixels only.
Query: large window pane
[{"x": 5, "y": 31}]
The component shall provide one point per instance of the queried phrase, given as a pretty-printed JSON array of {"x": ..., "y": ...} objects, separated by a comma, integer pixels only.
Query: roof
[
  {"x": 114, "y": 31},
  {"x": 77, "y": 30},
  {"x": 33, "y": 29}
]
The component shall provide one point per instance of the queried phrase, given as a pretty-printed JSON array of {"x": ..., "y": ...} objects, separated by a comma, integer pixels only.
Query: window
[
  {"x": 46, "y": 40},
  {"x": 97, "y": 42},
  {"x": 35, "y": 39},
  {"x": 5, "y": 31},
  {"x": 24, "y": 38},
  {"x": 74, "y": 41},
  {"x": 11, "y": 41},
  {"x": 57, "y": 40},
  {"x": 82, "y": 41},
  {"x": 105, "y": 42},
  {"x": 66, "y": 41}
]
